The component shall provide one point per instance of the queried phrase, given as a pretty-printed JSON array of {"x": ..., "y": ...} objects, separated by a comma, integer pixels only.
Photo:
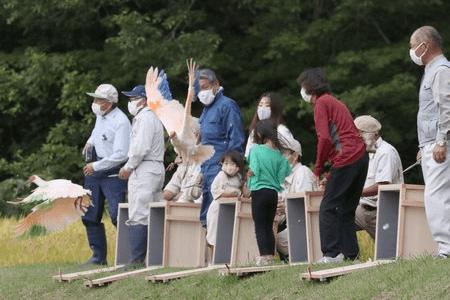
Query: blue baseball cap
[{"x": 137, "y": 91}]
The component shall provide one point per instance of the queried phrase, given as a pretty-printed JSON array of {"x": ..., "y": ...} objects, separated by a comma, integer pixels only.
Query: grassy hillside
[
  {"x": 26, "y": 266},
  {"x": 423, "y": 278}
]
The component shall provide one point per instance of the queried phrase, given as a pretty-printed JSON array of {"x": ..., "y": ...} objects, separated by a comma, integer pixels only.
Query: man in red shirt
[{"x": 339, "y": 143}]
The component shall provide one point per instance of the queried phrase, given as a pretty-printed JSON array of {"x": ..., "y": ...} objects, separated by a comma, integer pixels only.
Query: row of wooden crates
[{"x": 176, "y": 238}]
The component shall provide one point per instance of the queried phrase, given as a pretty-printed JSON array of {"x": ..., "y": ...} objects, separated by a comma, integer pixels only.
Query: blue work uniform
[
  {"x": 221, "y": 127},
  {"x": 111, "y": 139}
]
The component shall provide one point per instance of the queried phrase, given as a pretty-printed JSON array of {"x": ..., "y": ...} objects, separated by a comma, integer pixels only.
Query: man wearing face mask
[
  {"x": 338, "y": 141},
  {"x": 433, "y": 126},
  {"x": 385, "y": 167},
  {"x": 105, "y": 151},
  {"x": 220, "y": 126},
  {"x": 144, "y": 170}
]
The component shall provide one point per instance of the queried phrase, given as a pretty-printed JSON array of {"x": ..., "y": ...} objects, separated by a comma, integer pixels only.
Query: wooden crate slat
[
  {"x": 323, "y": 275},
  {"x": 180, "y": 274},
  {"x": 82, "y": 274},
  {"x": 109, "y": 279}
]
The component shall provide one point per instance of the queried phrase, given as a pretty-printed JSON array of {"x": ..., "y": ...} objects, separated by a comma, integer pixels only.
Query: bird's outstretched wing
[
  {"x": 159, "y": 100},
  {"x": 186, "y": 140},
  {"x": 54, "y": 189},
  {"x": 54, "y": 215}
]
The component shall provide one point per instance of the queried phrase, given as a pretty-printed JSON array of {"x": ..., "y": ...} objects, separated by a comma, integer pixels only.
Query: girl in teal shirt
[{"x": 268, "y": 169}]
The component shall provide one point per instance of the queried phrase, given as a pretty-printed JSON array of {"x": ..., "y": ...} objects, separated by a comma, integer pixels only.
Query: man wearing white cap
[
  {"x": 105, "y": 152},
  {"x": 301, "y": 179},
  {"x": 385, "y": 167}
]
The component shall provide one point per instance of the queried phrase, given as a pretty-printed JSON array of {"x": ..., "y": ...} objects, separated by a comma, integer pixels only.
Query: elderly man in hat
[
  {"x": 433, "y": 128},
  {"x": 105, "y": 152},
  {"x": 385, "y": 167},
  {"x": 144, "y": 169},
  {"x": 301, "y": 179},
  {"x": 220, "y": 126}
]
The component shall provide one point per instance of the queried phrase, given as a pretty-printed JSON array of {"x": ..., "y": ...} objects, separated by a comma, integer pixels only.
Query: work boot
[
  {"x": 97, "y": 242},
  {"x": 138, "y": 243}
]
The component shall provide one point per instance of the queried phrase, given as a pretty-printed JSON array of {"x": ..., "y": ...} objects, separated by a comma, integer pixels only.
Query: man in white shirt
[
  {"x": 105, "y": 152},
  {"x": 144, "y": 169},
  {"x": 433, "y": 129},
  {"x": 385, "y": 167},
  {"x": 301, "y": 179}
]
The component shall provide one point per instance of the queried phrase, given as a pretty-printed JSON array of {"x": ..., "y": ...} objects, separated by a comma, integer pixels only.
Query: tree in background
[{"x": 52, "y": 52}]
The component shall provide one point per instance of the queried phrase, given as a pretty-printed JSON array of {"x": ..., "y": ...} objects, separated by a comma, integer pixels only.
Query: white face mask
[
  {"x": 133, "y": 108},
  {"x": 206, "y": 97},
  {"x": 96, "y": 109},
  {"x": 305, "y": 96},
  {"x": 230, "y": 169},
  {"x": 263, "y": 112},
  {"x": 370, "y": 141},
  {"x": 416, "y": 59}
]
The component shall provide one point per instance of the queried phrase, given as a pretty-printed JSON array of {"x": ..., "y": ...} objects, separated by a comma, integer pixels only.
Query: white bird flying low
[
  {"x": 60, "y": 203},
  {"x": 177, "y": 120}
]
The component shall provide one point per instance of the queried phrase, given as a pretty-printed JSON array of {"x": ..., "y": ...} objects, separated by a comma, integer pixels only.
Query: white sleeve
[
  {"x": 218, "y": 185},
  {"x": 120, "y": 149},
  {"x": 386, "y": 168},
  {"x": 284, "y": 134},
  {"x": 174, "y": 184},
  {"x": 441, "y": 95},
  {"x": 250, "y": 144},
  {"x": 305, "y": 182},
  {"x": 91, "y": 137},
  {"x": 142, "y": 134}
]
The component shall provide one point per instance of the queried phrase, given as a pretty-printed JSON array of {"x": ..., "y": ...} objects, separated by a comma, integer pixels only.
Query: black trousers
[
  {"x": 264, "y": 207},
  {"x": 337, "y": 210}
]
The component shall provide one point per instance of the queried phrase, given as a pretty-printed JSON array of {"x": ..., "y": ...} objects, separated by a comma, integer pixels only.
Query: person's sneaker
[
  {"x": 441, "y": 256},
  {"x": 327, "y": 259},
  {"x": 264, "y": 260}
]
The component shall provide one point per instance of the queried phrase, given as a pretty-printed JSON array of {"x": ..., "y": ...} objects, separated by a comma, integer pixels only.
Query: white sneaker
[
  {"x": 441, "y": 256},
  {"x": 264, "y": 260},
  {"x": 327, "y": 259}
]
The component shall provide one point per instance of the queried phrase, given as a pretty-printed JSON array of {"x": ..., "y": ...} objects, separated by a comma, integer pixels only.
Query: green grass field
[
  {"x": 66, "y": 247},
  {"x": 26, "y": 267}
]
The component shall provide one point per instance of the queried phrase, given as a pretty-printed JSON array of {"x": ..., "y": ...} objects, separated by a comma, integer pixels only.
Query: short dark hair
[
  {"x": 208, "y": 74},
  {"x": 235, "y": 157},
  {"x": 276, "y": 109},
  {"x": 266, "y": 130},
  {"x": 314, "y": 81}
]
